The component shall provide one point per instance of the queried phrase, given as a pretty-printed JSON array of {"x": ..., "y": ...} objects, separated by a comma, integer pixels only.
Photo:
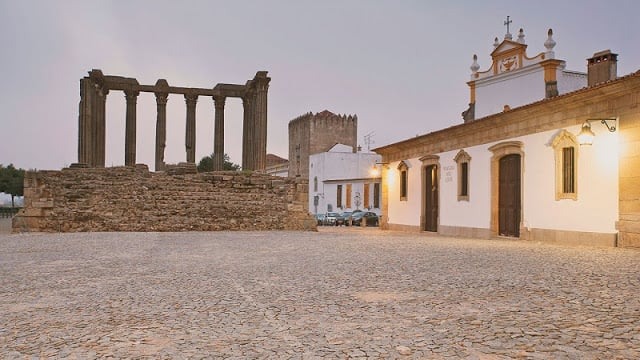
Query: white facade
[
  {"x": 594, "y": 210},
  {"x": 341, "y": 168},
  {"x": 516, "y": 167}
]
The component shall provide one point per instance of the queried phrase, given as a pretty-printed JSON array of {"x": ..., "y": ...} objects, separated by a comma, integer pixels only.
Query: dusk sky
[{"x": 401, "y": 66}]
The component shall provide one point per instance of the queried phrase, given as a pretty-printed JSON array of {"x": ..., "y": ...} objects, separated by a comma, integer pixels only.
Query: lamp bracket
[{"x": 611, "y": 127}]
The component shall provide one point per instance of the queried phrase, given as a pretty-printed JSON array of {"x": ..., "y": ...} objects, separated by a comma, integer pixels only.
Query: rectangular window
[
  {"x": 403, "y": 185},
  {"x": 366, "y": 196},
  {"x": 348, "y": 195},
  {"x": 464, "y": 179},
  {"x": 568, "y": 170},
  {"x": 376, "y": 195},
  {"x": 339, "y": 196}
]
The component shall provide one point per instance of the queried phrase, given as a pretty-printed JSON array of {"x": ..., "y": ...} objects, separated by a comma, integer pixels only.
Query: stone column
[
  {"x": 218, "y": 134},
  {"x": 161, "y": 129},
  {"x": 130, "y": 129},
  {"x": 99, "y": 124},
  {"x": 95, "y": 127},
  {"x": 260, "y": 135},
  {"x": 190, "y": 138},
  {"x": 253, "y": 146},
  {"x": 85, "y": 121},
  {"x": 247, "y": 124}
]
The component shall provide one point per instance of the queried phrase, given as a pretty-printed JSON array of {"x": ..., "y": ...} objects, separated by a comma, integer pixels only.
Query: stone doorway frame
[
  {"x": 428, "y": 160},
  {"x": 500, "y": 150}
]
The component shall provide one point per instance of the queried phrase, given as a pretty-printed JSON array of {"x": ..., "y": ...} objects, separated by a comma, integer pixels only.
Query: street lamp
[
  {"x": 586, "y": 135},
  {"x": 377, "y": 171}
]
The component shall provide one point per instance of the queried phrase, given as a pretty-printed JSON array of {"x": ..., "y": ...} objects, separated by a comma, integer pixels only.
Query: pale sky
[{"x": 401, "y": 66}]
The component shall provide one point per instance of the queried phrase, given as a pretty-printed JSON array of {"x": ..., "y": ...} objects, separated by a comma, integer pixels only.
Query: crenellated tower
[{"x": 315, "y": 133}]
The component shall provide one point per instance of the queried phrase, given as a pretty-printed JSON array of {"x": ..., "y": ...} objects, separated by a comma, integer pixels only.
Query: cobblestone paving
[{"x": 339, "y": 293}]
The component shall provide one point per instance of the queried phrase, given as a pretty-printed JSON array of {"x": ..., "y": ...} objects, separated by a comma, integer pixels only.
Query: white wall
[
  {"x": 513, "y": 89},
  {"x": 404, "y": 212},
  {"x": 520, "y": 88},
  {"x": 595, "y": 210},
  {"x": 476, "y": 212},
  {"x": 570, "y": 81}
]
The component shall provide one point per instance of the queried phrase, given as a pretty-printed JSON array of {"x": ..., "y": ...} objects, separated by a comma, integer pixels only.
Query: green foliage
[
  {"x": 11, "y": 181},
  {"x": 206, "y": 164}
]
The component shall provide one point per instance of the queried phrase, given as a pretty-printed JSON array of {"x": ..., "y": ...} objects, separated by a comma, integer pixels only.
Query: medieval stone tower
[{"x": 315, "y": 133}]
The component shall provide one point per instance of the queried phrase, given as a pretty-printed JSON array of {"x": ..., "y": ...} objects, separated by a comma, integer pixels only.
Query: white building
[
  {"x": 341, "y": 180},
  {"x": 524, "y": 170},
  {"x": 515, "y": 79}
]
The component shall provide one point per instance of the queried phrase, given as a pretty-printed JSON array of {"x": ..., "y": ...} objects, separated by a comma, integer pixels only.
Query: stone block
[
  {"x": 32, "y": 212},
  {"x": 626, "y": 239},
  {"x": 629, "y": 206},
  {"x": 302, "y": 197},
  {"x": 629, "y": 188},
  {"x": 42, "y": 203}
]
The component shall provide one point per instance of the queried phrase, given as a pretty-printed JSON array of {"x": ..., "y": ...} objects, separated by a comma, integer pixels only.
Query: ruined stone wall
[{"x": 134, "y": 199}]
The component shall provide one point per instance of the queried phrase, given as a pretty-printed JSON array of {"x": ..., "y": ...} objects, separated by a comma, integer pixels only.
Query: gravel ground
[
  {"x": 338, "y": 293},
  {"x": 5, "y": 225}
]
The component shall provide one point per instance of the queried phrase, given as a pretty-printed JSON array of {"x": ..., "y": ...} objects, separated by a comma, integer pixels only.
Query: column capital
[
  {"x": 191, "y": 99},
  {"x": 131, "y": 95},
  {"x": 262, "y": 86},
  {"x": 219, "y": 101},
  {"x": 101, "y": 90},
  {"x": 162, "y": 98},
  {"x": 261, "y": 81},
  {"x": 248, "y": 98}
]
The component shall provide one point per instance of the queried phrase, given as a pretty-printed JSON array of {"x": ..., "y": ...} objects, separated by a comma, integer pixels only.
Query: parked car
[
  {"x": 370, "y": 218},
  {"x": 344, "y": 218},
  {"x": 331, "y": 217},
  {"x": 320, "y": 218}
]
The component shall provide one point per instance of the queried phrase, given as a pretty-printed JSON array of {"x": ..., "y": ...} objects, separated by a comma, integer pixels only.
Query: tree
[
  {"x": 11, "y": 181},
  {"x": 206, "y": 164}
]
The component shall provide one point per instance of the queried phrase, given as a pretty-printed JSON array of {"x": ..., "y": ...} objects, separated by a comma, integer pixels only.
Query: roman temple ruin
[{"x": 92, "y": 120}]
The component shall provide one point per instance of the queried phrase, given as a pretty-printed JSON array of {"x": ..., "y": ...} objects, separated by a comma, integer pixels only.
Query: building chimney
[{"x": 602, "y": 67}]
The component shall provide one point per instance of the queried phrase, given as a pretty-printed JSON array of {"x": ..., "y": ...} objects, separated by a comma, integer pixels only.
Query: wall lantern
[
  {"x": 377, "y": 171},
  {"x": 586, "y": 135}
]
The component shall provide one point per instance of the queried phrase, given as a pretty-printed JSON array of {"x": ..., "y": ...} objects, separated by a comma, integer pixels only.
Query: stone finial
[
  {"x": 475, "y": 67},
  {"x": 495, "y": 42},
  {"x": 521, "y": 36},
  {"x": 549, "y": 44}
]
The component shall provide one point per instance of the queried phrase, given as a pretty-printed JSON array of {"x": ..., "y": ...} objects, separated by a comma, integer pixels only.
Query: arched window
[
  {"x": 463, "y": 160},
  {"x": 403, "y": 168},
  {"x": 565, "y": 146}
]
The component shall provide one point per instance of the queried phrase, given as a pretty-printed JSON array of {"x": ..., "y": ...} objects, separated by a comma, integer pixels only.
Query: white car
[{"x": 331, "y": 217}]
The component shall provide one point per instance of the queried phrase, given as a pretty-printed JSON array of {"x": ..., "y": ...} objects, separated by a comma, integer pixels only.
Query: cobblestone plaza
[{"x": 337, "y": 294}]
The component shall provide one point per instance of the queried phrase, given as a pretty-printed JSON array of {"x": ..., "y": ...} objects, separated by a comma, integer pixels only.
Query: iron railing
[{"x": 7, "y": 212}]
